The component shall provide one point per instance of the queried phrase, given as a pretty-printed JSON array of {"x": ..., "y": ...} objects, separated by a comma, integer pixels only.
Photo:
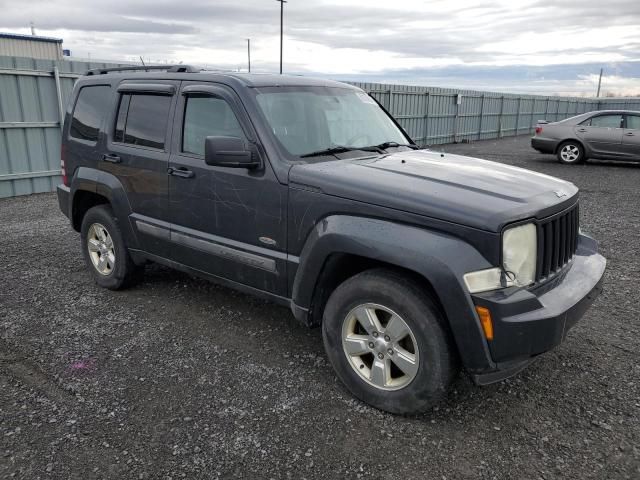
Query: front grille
[{"x": 557, "y": 242}]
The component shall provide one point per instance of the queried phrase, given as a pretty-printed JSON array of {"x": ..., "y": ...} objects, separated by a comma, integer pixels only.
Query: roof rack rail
[{"x": 145, "y": 68}]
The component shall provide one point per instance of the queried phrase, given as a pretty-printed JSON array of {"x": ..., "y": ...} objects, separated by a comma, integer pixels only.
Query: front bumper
[
  {"x": 527, "y": 322},
  {"x": 64, "y": 199},
  {"x": 544, "y": 145}
]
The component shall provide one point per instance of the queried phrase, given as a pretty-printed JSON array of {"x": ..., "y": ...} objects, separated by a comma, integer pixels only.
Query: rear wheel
[
  {"x": 387, "y": 343},
  {"x": 105, "y": 252},
  {"x": 570, "y": 153}
]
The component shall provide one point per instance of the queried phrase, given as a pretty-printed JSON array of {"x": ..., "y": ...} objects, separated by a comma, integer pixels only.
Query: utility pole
[
  {"x": 599, "y": 83},
  {"x": 249, "y": 54},
  {"x": 282, "y": 2}
]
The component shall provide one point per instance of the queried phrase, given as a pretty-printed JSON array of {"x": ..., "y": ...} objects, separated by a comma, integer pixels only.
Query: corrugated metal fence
[
  {"x": 432, "y": 115},
  {"x": 33, "y": 94}
]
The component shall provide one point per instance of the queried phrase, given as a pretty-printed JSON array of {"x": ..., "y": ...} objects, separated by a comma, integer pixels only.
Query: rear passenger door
[
  {"x": 602, "y": 133},
  {"x": 138, "y": 153},
  {"x": 631, "y": 136}
]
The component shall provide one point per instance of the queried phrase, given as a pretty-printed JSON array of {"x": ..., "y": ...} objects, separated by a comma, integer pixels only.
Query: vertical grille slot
[{"x": 557, "y": 242}]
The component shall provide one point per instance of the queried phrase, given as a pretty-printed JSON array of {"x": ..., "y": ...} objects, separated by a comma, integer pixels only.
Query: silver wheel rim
[
  {"x": 380, "y": 347},
  {"x": 101, "y": 250},
  {"x": 570, "y": 153}
]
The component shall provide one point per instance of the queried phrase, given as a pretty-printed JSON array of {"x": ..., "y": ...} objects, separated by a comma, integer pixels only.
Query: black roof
[{"x": 272, "y": 79}]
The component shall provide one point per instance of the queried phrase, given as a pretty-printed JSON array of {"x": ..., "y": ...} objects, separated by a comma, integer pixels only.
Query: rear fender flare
[{"x": 109, "y": 187}]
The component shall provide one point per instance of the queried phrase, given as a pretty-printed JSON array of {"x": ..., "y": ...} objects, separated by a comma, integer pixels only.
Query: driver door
[{"x": 225, "y": 221}]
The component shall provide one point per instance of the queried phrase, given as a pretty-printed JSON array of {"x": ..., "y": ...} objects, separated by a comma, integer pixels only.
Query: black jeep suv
[{"x": 307, "y": 192}]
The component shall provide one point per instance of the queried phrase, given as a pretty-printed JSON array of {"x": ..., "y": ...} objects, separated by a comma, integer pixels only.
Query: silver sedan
[{"x": 605, "y": 134}]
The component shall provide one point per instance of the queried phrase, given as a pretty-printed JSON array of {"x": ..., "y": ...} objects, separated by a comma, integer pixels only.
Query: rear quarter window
[
  {"x": 607, "y": 121},
  {"x": 633, "y": 122},
  {"x": 89, "y": 112}
]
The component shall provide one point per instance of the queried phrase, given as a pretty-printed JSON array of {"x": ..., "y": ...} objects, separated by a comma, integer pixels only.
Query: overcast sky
[{"x": 547, "y": 46}]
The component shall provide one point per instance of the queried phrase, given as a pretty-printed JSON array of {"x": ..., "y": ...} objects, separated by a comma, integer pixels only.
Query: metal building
[{"x": 31, "y": 46}]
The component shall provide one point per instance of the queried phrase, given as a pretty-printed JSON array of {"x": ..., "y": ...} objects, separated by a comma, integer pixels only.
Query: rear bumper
[
  {"x": 527, "y": 323},
  {"x": 544, "y": 145},
  {"x": 64, "y": 199}
]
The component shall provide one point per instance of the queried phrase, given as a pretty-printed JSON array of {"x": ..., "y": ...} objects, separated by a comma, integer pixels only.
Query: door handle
[
  {"x": 629, "y": 134},
  {"x": 111, "y": 157},
  {"x": 180, "y": 172}
]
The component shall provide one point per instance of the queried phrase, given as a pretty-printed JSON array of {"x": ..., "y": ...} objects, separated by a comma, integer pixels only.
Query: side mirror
[{"x": 228, "y": 152}]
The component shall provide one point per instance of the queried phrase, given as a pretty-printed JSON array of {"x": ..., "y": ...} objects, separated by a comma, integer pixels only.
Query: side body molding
[{"x": 440, "y": 258}]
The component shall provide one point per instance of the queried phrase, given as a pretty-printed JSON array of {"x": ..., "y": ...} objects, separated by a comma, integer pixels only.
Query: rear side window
[
  {"x": 142, "y": 120},
  {"x": 89, "y": 112},
  {"x": 206, "y": 116},
  {"x": 607, "y": 121},
  {"x": 633, "y": 122}
]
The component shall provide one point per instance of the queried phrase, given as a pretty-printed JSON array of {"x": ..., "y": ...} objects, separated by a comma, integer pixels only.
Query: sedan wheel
[{"x": 570, "y": 153}]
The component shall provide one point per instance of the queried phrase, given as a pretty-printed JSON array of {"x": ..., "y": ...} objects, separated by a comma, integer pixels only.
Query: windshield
[{"x": 311, "y": 119}]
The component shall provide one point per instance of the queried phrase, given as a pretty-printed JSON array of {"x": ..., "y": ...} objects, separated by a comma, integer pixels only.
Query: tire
[
  {"x": 570, "y": 153},
  {"x": 414, "y": 388},
  {"x": 101, "y": 238}
]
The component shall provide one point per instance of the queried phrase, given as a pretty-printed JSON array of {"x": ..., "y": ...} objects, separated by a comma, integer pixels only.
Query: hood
[{"x": 464, "y": 190}]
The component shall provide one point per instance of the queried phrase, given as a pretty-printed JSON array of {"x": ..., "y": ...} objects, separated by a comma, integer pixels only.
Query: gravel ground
[{"x": 180, "y": 378}]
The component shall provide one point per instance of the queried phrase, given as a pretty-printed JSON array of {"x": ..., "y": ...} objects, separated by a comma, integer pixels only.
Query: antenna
[{"x": 33, "y": 28}]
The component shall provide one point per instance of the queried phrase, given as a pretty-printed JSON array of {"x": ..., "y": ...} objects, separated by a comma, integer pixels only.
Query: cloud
[{"x": 346, "y": 37}]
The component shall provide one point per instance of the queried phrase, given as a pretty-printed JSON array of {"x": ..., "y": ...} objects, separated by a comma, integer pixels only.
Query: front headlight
[{"x": 519, "y": 252}]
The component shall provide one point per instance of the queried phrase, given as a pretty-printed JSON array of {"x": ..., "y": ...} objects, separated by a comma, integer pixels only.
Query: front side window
[
  {"x": 89, "y": 112},
  {"x": 607, "y": 121},
  {"x": 207, "y": 116},
  {"x": 633, "y": 122},
  {"x": 142, "y": 120},
  {"x": 308, "y": 119}
]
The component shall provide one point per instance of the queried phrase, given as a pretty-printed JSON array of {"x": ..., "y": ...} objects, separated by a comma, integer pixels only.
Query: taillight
[
  {"x": 63, "y": 168},
  {"x": 538, "y": 129}
]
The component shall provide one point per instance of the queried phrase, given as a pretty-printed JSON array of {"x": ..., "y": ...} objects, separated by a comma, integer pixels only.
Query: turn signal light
[{"x": 485, "y": 321}]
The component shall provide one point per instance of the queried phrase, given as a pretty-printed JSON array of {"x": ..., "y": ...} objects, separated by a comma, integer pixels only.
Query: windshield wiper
[
  {"x": 339, "y": 149},
  {"x": 385, "y": 145}
]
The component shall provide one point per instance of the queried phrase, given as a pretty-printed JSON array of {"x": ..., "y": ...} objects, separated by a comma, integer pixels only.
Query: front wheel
[
  {"x": 570, "y": 153},
  {"x": 387, "y": 343}
]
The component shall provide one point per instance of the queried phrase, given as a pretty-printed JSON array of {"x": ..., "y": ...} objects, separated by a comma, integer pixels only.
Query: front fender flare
[{"x": 438, "y": 257}]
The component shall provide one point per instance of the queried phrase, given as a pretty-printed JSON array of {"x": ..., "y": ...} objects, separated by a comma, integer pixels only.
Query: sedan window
[
  {"x": 633, "y": 122},
  {"x": 607, "y": 121}
]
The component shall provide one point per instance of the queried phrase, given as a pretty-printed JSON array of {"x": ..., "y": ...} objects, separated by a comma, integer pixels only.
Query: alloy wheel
[
  {"x": 101, "y": 249},
  {"x": 380, "y": 346},
  {"x": 570, "y": 153}
]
